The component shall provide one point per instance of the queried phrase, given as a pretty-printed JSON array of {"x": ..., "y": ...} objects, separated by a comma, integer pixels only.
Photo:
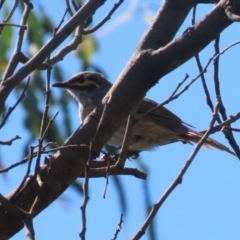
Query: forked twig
[{"x": 115, "y": 7}]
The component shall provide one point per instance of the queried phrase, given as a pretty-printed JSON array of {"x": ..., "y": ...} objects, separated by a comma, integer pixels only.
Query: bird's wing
[{"x": 159, "y": 112}]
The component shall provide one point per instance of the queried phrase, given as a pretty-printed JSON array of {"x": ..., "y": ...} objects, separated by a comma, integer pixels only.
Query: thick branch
[{"x": 146, "y": 67}]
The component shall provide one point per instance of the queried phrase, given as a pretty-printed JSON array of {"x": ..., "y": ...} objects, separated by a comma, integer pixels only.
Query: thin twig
[
  {"x": 77, "y": 39},
  {"x": 233, "y": 129},
  {"x": 10, "y": 110},
  {"x": 85, "y": 201},
  {"x": 225, "y": 49},
  {"x": 173, "y": 96},
  {"x": 118, "y": 228},
  {"x": 126, "y": 141},
  {"x": 26, "y": 159},
  {"x": 101, "y": 172},
  {"x": 226, "y": 123},
  {"x": 204, "y": 84},
  {"x": 194, "y": 14},
  {"x": 86, "y": 182},
  {"x": 13, "y": 25},
  {"x": 61, "y": 22},
  {"x": 179, "y": 85},
  {"x": 27, "y": 173},
  {"x": 10, "y": 13},
  {"x": 178, "y": 179},
  {"x": 200, "y": 68},
  {"x": 69, "y": 8},
  {"x": 43, "y": 129},
  {"x": 14, "y": 60},
  {"x": 9, "y": 142},
  {"x": 106, "y": 184},
  {"x": 222, "y": 110},
  {"x": 75, "y": 5},
  {"x": 115, "y": 7}
]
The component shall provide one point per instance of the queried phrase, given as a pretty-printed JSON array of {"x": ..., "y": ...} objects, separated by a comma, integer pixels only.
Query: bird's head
[{"x": 86, "y": 86}]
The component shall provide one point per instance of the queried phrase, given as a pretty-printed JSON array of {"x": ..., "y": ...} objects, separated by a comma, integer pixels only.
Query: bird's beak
[{"x": 61, "y": 85}]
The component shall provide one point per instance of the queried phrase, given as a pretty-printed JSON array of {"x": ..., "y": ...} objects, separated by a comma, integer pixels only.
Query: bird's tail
[{"x": 193, "y": 136}]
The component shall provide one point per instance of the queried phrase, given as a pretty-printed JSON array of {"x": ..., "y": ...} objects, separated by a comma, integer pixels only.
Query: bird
[{"x": 158, "y": 127}]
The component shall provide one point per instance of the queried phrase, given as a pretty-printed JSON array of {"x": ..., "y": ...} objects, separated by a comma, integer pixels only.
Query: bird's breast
[{"x": 145, "y": 135}]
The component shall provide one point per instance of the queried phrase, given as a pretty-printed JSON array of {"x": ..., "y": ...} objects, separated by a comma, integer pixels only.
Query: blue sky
[{"x": 207, "y": 203}]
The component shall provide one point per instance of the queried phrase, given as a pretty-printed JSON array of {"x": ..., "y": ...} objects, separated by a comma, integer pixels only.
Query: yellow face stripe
[{"x": 87, "y": 82}]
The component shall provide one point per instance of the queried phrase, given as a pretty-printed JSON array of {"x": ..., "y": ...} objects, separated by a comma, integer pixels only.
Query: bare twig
[
  {"x": 226, "y": 123},
  {"x": 126, "y": 141},
  {"x": 75, "y": 5},
  {"x": 26, "y": 159},
  {"x": 106, "y": 184},
  {"x": 27, "y": 173},
  {"x": 208, "y": 98},
  {"x": 61, "y": 22},
  {"x": 233, "y": 129},
  {"x": 200, "y": 68},
  {"x": 14, "y": 60},
  {"x": 101, "y": 172},
  {"x": 10, "y": 13},
  {"x": 77, "y": 39},
  {"x": 13, "y": 25},
  {"x": 222, "y": 110},
  {"x": 194, "y": 14},
  {"x": 179, "y": 85},
  {"x": 118, "y": 228},
  {"x": 226, "y": 49},
  {"x": 10, "y": 110},
  {"x": 85, "y": 194},
  {"x": 14, "y": 165},
  {"x": 69, "y": 8},
  {"x": 44, "y": 130},
  {"x": 40, "y": 148},
  {"x": 115, "y": 7},
  {"x": 173, "y": 96},
  {"x": 178, "y": 179},
  {"x": 84, "y": 205},
  {"x": 86, "y": 182},
  {"x": 9, "y": 142}
]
